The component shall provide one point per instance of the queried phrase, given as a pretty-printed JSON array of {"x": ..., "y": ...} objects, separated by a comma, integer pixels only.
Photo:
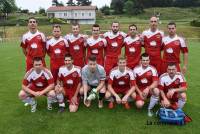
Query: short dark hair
[
  {"x": 92, "y": 58},
  {"x": 171, "y": 64},
  {"x": 56, "y": 26},
  {"x": 133, "y": 25},
  {"x": 68, "y": 55},
  {"x": 37, "y": 59},
  {"x": 114, "y": 22},
  {"x": 144, "y": 55},
  {"x": 95, "y": 25},
  {"x": 171, "y": 23},
  {"x": 76, "y": 24},
  {"x": 121, "y": 57},
  {"x": 33, "y": 19}
]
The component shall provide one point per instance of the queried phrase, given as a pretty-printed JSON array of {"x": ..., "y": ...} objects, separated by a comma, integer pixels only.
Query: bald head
[{"x": 153, "y": 23}]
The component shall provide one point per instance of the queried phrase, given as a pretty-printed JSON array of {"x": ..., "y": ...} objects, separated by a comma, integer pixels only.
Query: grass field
[{"x": 17, "y": 119}]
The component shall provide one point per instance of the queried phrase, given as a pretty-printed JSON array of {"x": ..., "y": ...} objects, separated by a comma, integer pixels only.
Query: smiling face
[
  {"x": 68, "y": 61},
  {"x": 95, "y": 31},
  {"x": 145, "y": 61},
  {"x": 132, "y": 30}
]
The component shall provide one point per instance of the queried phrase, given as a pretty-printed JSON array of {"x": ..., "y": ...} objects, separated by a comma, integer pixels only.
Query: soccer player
[
  {"x": 56, "y": 47},
  {"x": 153, "y": 43},
  {"x": 115, "y": 40},
  {"x": 33, "y": 43},
  {"x": 173, "y": 86},
  {"x": 146, "y": 78},
  {"x": 133, "y": 46},
  {"x": 77, "y": 45},
  {"x": 172, "y": 45},
  {"x": 121, "y": 81},
  {"x": 68, "y": 84},
  {"x": 96, "y": 45},
  {"x": 93, "y": 80},
  {"x": 37, "y": 82}
]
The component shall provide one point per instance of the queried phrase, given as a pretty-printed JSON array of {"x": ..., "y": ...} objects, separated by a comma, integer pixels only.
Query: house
[{"x": 74, "y": 14}]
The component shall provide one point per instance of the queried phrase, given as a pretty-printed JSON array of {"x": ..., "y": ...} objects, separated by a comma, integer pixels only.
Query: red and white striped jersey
[
  {"x": 153, "y": 43},
  {"x": 166, "y": 82},
  {"x": 114, "y": 43},
  {"x": 172, "y": 48},
  {"x": 57, "y": 48},
  {"x": 133, "y": 48},
  {"x": 121, "y": 80},
  {"x": 145, "y": 76},
  {"x": 96, "y": 47},
  {"x": 41, "y": 80},
  {"x": 35, "y": 44},
  {"x": 70, "y": 78}
]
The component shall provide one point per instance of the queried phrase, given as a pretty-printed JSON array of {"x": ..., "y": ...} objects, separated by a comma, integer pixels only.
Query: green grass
[{"x": 17, "y": 119}]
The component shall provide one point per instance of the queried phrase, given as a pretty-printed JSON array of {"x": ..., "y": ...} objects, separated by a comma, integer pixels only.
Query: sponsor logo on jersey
[
  {"x": 74, "y": 74},
  {"x": 177, "y": 81},
  {"x": 39, "y": 37}
]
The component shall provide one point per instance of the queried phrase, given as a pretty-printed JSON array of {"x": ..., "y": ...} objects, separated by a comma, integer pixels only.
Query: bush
[
  {"x": 195, "y": 23},
  {"x": 57, "y": 21}
]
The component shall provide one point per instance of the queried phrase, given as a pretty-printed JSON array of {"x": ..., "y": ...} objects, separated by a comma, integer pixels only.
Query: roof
[{"x": 65, "y": 8}]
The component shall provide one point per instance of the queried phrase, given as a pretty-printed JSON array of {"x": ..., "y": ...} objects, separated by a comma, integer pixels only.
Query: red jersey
[
  {"x": 166, "y": 82},
  {"x": 70, "y": 78},
  {"x": 96, "y": 47},
  {"x": 172, "y": 48},
  {"x": 34, "y": 44},
  {"x": 121, "y": 81},
  {"x": 145, "y": 76},
  {"x": 76, "y": 45},
  {"x": 114, "y": 43},
  {"x": 41, "y": 80},
  {"x": 57, "y": 50},
  {"x": 153, "y": 43},
  {"x": 132, "y": 50}
]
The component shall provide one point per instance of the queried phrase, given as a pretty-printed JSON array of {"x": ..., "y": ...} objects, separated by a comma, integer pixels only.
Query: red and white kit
[
  {"x": 77, "y": 48},
  {"x": 70, "y": 79},
  {"x": 121, "y": 82},
  {"x": 96, "y": 47},
  {"x": 35, "y": 46},
  {"x": 56, "y": 49},
  {"x": 171, "y": 51},
  {"x": 38, "y": 82},
  {"x": 132, "y": 51},
  {"x": 166, "y": 83},
  {"x": 144, "y": 77},
  {"x": 113, "y": 49},
  {"x": 153, "y": 46}
]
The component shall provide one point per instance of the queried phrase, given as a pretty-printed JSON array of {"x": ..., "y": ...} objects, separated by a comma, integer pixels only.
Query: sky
[{"x": 34, "y": 5}]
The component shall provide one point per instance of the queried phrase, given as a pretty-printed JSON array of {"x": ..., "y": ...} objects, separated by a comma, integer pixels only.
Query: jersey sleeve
[
  {"x": 111, "y": 77},
  {"x": 49, "y": 77},
  {"x": 155, "y": 74},
  {"x": 184, "y": 47},
  {"x": 84, "y": 76},
  {"x": 23, "y": 42},
  {"x": 102, "y": 74},
  {"x": 183, "y": 81},
  {"x": 161, "y": 84},
  {"x": 132, "y": 78},
  {"x": 27, "y": 78}
]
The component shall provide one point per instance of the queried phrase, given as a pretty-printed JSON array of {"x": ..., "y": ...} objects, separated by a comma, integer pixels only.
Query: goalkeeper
[{"x": 93, "y": 77}]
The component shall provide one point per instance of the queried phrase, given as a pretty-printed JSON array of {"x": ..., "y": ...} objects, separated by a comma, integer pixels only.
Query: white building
[{"x": 74, "y": 14}]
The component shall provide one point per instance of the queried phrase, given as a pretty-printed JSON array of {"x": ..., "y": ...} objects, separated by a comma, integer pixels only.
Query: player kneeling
[
  {"x": 68, "y": 85},
  {"x": 146, "y": 78},
  {"x": 37, "y": 82},
  {"x": 172, "y": 86},
  {"x": 121, "y": 81},
  {"x": 93, "y": 77}
]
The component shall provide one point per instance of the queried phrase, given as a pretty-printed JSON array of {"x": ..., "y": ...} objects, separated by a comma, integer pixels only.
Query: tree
[
  {"x": 84, "y": 2},
  {"x": 105, "y": 10},
  {"x": 117, "y": 6},
  {"x": 71, "y": 3},
  {"x": 57, "y": 3},
  {"x": 41, "y": 10},
  {"x": 7, "y": 6},
  {"x": 129, "y": 7}
]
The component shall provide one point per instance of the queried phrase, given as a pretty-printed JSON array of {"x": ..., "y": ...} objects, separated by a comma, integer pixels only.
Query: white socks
[{"x": 153, "y": 101}]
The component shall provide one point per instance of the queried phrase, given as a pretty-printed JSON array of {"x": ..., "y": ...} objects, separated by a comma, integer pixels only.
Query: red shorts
[
  {"x": 109, "y": 64},
  {"x": 157, "y": 64},
  {"x": 164, "y": 67},
  {"x": 69, "y": 93},
  {"x": 35, "y": 89},
  {"x": 121, "y": 91},
  {"x": 138, "y": 98},
  {"x": 29, "y": 63},
  {"x": 79, "y": 62}
]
